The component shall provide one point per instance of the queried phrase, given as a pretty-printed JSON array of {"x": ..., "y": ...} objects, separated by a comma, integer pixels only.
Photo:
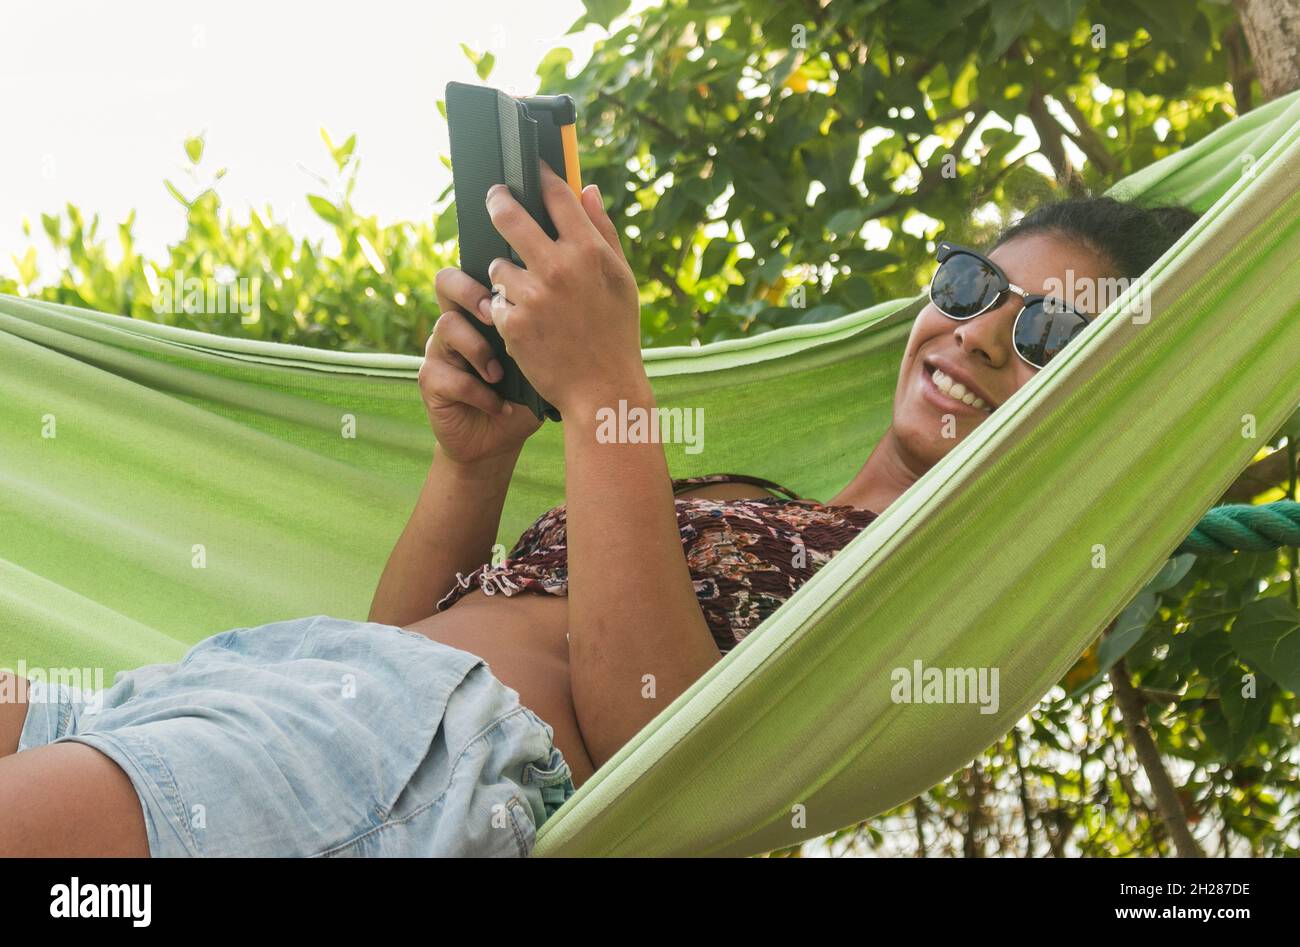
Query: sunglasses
[{"x": 967, "y": 283}]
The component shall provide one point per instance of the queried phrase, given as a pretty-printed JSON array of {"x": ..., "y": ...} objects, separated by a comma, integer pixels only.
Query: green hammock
[{"x": 173, "y": 449}]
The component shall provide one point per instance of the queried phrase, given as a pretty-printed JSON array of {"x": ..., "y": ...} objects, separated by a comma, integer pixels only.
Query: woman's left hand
[{"x": 572, "y": 319}]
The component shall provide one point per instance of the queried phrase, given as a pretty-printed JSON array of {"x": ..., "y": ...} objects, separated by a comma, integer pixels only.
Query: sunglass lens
[
  {"x": 964, "y": 286},
  {"x": 1043, "y": 329}
]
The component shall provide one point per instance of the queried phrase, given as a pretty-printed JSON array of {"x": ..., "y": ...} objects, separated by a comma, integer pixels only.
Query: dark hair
[{"x": 1127, "y": 235}]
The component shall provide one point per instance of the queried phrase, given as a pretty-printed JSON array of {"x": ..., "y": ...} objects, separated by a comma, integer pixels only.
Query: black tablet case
[{"x": 495, "y": 139}]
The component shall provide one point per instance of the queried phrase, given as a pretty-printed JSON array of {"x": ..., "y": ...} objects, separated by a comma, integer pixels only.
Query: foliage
[
  {"x": 812, "y": 155},
  {"x": 374, "y": 293},
  {"x": 750, "y": 147}
]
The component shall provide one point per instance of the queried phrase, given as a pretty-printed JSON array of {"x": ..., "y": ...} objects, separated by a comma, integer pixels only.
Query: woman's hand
[
  {"x": 471, "y": 421},
  {"x": 572, "y": 319}
]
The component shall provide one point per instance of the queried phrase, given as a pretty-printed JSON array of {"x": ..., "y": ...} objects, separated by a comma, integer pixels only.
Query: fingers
[
  {"x": 456, "y": 336},
  {"x": 563, "y": 206},
  {"x": 595, "y": 211},
  {"x": 517, "y": 226},
  {"x": 443, "y": 380},
  {"x": 511, "y": 286},
  {"x": 456, "y": 289}
]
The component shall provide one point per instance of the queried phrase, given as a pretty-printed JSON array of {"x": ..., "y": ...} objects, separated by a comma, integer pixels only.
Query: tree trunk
[
  {"x": 1272, "y": 29},
  {"x": 1168, "y": 805}
]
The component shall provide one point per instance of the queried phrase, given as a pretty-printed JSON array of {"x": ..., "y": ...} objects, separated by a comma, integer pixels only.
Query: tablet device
[{"x": 500, "y": 139}]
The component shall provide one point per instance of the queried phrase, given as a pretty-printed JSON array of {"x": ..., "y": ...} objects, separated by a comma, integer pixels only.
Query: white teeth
[{"x": 956, "y": 390}]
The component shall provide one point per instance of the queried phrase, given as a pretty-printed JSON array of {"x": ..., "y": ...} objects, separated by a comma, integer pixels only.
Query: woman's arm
[
  {"x": 479, "y": 439},
  {"x": 637, "y": 636},
  {"x": 451, "y": 530}
]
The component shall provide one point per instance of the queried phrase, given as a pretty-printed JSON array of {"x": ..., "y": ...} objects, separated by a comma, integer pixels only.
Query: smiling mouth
[{"x": 951, "y": 388}]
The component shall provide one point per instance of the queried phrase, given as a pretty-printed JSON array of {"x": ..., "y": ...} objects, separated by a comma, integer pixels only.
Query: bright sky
[{"x": 99, "y": 97}]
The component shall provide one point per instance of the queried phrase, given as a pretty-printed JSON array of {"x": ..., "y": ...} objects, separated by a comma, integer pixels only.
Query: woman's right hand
[{"x": 471, "y": 421}]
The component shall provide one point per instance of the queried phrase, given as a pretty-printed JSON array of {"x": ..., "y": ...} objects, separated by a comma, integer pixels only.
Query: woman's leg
[
  {"x": 13, "y": 712},
  {"x": 68, "y": 799}
]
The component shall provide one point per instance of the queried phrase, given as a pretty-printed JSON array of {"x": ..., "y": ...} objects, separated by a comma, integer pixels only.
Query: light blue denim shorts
[{"x": 319, "y": 737}]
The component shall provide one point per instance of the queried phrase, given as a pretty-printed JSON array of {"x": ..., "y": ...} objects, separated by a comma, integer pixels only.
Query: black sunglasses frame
[{"x": 945, "y": 251}]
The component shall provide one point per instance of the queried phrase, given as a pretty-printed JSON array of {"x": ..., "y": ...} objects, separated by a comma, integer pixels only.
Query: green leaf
[
  {"x": 194, "y": 148},
  {"x": 856, "y": 291},
  {"x": 851, "y": 219},
  {"x": 1213, "y": 653},
  {"x": 53, "y": 229},
  {"x": 446, "y": 227},
  {"x": 1245, "y": 715},
  {"x": 1171, "y": 573},
  {"x": 1010, "y": 19},
  {"x": 344, "y": 151},
  {"x": 325, "y": 210},
  {"x": 771, "y": 268},
  {"x": 1267, "y": 635},
  {"x": 1129, "y": 628},
  {"x": 171, "y": 189},
  {"x": 483, "y": 62},
  {"x": 1060, "y": 14},
  {"x": 847, "y": 221},
  {"x": 715, "y": 256},
  {"x": 603, "y": 12},
  {"x": 551, "y": 69},
  {"x": 1247, "y": 568},
  {"x": 27, "y": 266}
]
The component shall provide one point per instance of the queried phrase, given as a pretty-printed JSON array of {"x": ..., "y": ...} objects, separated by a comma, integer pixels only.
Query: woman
[{"x": 468, "y": 708}]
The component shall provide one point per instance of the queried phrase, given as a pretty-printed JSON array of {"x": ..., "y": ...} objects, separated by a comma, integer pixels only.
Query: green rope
[{"x": 1242, "y": 527}]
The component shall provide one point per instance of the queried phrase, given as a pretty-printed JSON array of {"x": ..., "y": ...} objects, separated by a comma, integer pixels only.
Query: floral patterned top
[{"x": 745, "y": 556}]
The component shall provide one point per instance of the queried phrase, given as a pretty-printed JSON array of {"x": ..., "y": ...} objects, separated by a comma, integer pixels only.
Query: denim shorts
[{"x": 319, "y": 737}]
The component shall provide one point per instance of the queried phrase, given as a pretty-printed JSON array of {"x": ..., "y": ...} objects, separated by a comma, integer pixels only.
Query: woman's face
[{"x": 978, "y": 352}]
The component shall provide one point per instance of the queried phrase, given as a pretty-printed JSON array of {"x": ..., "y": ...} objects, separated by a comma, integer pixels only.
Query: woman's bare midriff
[{"x": 523, "y": 639}]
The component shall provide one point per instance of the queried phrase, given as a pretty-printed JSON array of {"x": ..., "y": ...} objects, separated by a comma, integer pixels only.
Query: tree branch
[
  {"x": 918, "y": 811},
  {"x": 1049, "y": 142},
  {"x": 1138, "y": 730},
  {"x": 930, "y": 179},
  {"x": 642, "y": 117},
  {"x": 1089, "y": 142},
  {"x": 1023, "y": 786},
  {"x": 970, "y": 843}
]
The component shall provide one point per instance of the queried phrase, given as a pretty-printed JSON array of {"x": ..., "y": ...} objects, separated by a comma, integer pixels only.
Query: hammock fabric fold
[{"x": 159, "y": 485}]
